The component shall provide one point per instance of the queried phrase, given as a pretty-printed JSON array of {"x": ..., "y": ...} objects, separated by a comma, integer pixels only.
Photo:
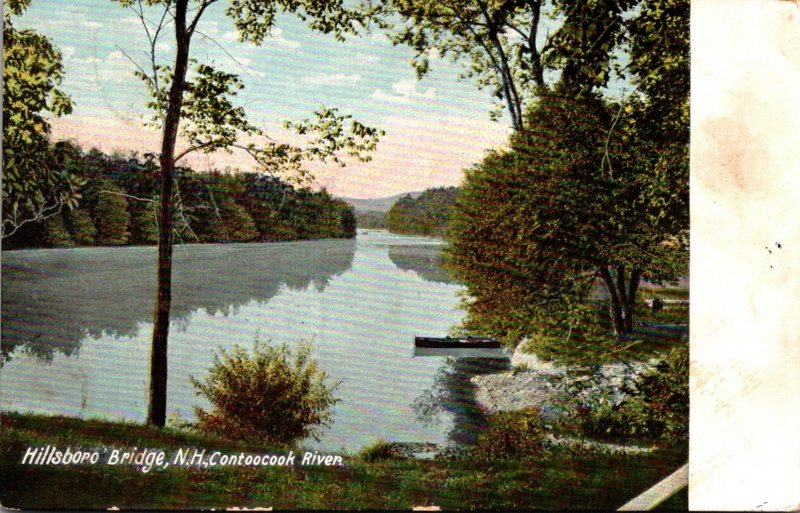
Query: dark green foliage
[
  {"x": 514, "y": 434},
  {"x": 238, "y": 223},
  {"x": 371, "y": 219},
  {"x": 144, "y": 222},
  {"x": 81, "y": 227},
  {"x": 55, "y": 233},
  {"x": 527, "y": 224},
  {"x": 111, "y": 216},
  {"x": 273, "y": 396},
  {"x": 657, "y": 409},
  {"x": 380, "y": 450},
  {"x": 426, "y": 215},
  {"x": 210, "y": 207},
  {"x": 543, "y": 229}
]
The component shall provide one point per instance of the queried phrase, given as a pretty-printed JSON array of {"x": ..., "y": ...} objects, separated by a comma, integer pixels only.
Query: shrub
[
  {"x": 273, "y": 395},
  {"x": 658, "y": 408},
  {"x": 511, "y": 434},
  {"x": 380, "y": 450}
]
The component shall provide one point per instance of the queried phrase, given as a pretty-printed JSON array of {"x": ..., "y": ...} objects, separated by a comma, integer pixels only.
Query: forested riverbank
[{"x": 118, "y": 206}]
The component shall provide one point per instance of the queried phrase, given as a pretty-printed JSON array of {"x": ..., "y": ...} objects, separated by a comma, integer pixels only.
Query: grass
[
  {"x": 655, "y": 333},
  {"x": 555, "y": 481}
]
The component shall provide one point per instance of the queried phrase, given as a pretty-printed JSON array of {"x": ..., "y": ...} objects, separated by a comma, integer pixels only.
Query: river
[{"x": 77, "y": 326}]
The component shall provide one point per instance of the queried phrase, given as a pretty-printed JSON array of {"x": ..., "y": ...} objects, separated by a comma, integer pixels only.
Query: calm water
[{"x": 77, "y": 325}]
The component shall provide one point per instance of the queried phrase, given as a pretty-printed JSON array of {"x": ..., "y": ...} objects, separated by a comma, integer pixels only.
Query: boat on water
[
  {"x": 460, "y": 347},
  {"x": 457, "y": 342}
]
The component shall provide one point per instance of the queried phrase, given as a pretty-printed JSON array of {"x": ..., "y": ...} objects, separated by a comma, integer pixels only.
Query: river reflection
[
  {"x": 452, "y": 396},
  {"x": 53, "y": 299},
  {"x": 426, "y": 261},
  {"x": 77, "y": 326}
]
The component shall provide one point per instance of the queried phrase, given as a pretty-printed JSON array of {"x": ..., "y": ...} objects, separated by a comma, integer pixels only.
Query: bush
[
  {"x": 380, "y": 450},
  {"x": 512, "y": 434},
  {"x": 273, "y": 395},
  {"x": 658, "y": 408}
]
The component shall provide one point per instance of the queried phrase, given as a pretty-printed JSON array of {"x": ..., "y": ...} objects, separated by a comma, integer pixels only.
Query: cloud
[
  {"x": 381, "y": 38},
  {"x": 114, "y": 67},
  {"x": 363, "y": 59},
  {"x": 404, "y": 91},
  {"x": 279, "y": 40},
  {"x": 331, "y": 79},
  {"x": 231, "y": 36}
]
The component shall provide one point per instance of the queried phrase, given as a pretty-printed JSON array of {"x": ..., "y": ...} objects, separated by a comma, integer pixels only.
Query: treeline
[
  {"x": 119, "y": 206},
  {"x": 426, "y": 215},
  {"x": 374, "y": 219}
]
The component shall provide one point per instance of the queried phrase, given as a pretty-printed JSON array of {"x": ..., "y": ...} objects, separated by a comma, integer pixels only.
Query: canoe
[{"x": 457, "y": 343}]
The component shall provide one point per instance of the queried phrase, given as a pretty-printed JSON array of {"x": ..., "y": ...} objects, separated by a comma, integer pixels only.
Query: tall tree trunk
[
  {"x": 622, "y": 298},
  {"x": 157, "y": 410},
  {"x": 536, "y": 56},
  {"x": 633, "y": 287},
  {"x": 614, "y": 303}
]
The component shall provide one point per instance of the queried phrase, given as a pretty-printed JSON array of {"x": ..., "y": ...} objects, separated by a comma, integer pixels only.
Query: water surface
[{"x": 77, "y": 326}]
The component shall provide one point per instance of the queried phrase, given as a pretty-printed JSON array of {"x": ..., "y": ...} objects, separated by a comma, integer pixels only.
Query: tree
[
  {"x": 81, "y": 227},
  {"x": 144, "y": 222},
  {"x": 34, "y": 187},
  {"x": 592, "y": 190},
  {"x": 536, "y": 228},
  {"x": 211, "y": 122},
  {"x": 111, "y": 216},
  {"x": 55, "y": 233},
  {"x": 426, "y": 215},
  {"x": 507, "y": 46}
]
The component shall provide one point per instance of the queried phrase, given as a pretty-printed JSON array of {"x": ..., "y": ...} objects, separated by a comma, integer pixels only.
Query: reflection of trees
[
  {"x": 52, "y": 299},
  {"x": 425, "y": 260},
  {"x": 452, "y": 392}
]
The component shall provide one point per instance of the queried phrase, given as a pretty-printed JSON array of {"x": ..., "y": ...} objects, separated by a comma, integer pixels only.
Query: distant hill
[
  {"x": 428, "y": 214},
  {"x": 378, "y": 204}
]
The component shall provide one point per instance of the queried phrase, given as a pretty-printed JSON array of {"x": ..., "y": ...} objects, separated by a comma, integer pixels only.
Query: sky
[{"x": 435, "y": 128}]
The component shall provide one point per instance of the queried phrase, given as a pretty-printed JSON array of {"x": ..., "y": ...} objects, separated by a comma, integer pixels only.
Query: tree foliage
[
  {"x": 34, "y": 186},
  {"x": 81, "y": 227},
  {"x": 211, "y": 206},
  {"x": 111, "y": 215},
  {"x": 537, "y": 228},
  {"x": 273, "y": 395},
  {"x": 592, "y": 196},
  {"x": 508, "y": 47},
  {"x": 55, "y": 233},
  {"x": 428, "y": 214}
]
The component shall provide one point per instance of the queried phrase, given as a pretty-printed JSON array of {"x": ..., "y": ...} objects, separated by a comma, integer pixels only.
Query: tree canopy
[
  {"x": 34, "y": 187},
  {"x": 514, "y": 48},
  {"x": 427, "y": 214},
  {"x": 590, "y": 199}
]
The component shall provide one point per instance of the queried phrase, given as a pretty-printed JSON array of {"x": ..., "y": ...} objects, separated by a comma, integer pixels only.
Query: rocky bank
[{"x": 554, "y": 389}]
